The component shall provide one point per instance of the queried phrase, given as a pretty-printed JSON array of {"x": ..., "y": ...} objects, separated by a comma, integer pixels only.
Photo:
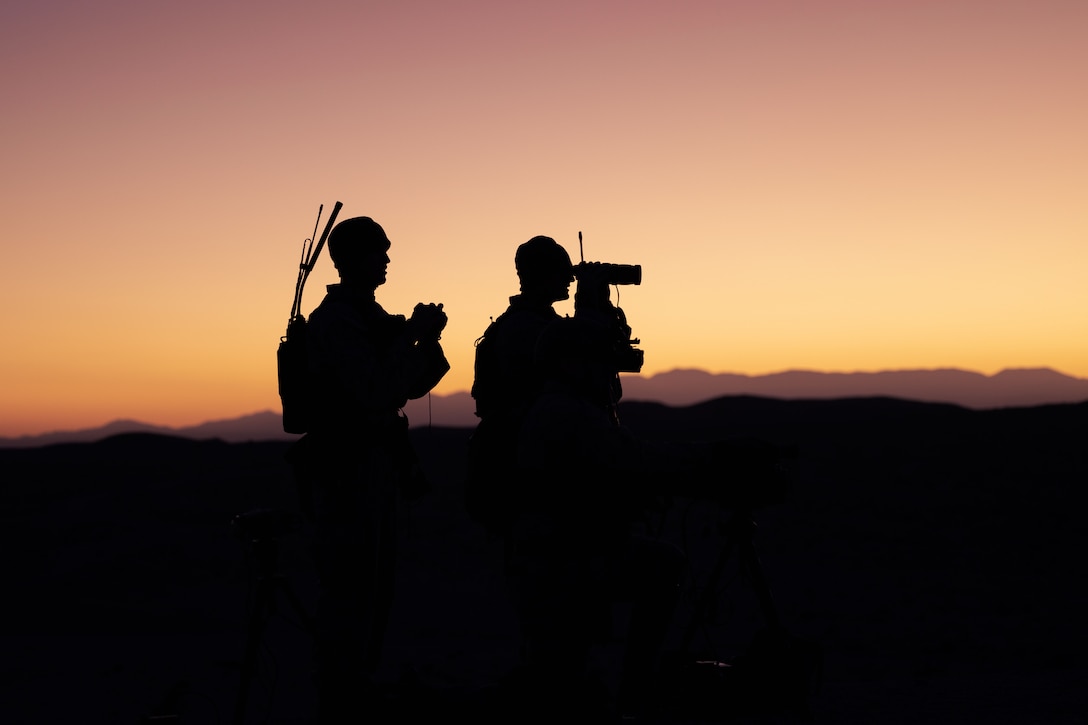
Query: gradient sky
[{"x": 833, "y": 185}]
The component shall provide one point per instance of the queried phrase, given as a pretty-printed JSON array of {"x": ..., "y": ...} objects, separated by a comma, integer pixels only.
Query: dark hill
[{"x": 935, "y": 552}]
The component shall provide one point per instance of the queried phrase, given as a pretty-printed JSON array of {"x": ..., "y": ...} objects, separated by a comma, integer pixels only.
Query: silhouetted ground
[{"x": 936, "y": 554}]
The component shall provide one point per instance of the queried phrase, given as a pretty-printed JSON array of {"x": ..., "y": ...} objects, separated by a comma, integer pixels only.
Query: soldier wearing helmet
[
  {"x": 506, "y": 377},
  {"x": 364, "y": 365}
]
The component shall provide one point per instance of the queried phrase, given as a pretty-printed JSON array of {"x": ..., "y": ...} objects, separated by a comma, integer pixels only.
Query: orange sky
[{"x": 834, "y": 185}]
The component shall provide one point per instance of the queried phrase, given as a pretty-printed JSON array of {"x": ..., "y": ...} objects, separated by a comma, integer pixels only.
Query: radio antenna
[
  {"x": 307, "y": 250},
  {"x": 310, "y": 253},
  {"x": 581, "y": 255}
]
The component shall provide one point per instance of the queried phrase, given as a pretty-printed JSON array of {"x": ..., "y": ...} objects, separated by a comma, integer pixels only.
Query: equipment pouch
[{"x": 291, "y": 367}]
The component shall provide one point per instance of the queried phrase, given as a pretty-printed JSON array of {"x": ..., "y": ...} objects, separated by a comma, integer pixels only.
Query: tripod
[
  {"x": 739, "y": 535},
  {"x": 778, "y": 671},
  {"x": 261, "y": 530}
]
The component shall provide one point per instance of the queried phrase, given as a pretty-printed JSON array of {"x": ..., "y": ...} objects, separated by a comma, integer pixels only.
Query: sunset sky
[{"x": 832, "y": 185}]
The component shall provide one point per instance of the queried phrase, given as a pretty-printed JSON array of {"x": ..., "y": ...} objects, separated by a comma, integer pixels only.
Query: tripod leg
[
  {"x": 706, "y": 600},
  {"x": 754, "y": 570},
  {"x": 258, "y": 616},
  {"x": 296, "y": 605}
]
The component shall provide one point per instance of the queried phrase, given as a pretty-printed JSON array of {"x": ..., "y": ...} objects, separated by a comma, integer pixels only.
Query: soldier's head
[
  {"x": 359, "y": 249},
  {"x": 544, "y": 268}
]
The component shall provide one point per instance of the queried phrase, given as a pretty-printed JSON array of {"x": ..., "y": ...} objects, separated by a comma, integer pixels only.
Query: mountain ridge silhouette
[
  {"x": 681, "y": 387},
  {"x": 1011, "y": 387}
]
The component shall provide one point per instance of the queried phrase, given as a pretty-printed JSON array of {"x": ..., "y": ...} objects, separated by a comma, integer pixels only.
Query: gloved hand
[{"x": 427, "y": 322}]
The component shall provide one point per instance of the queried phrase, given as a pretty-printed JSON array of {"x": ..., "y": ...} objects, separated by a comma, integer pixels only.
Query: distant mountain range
[
  {"x": 1009, "y": 388},
  {"x": 1012, "y": 388}
]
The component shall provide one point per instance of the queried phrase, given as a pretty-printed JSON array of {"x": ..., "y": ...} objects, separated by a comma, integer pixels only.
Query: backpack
[
  {"x": 493, "y": 483},
  {"x": 490, "y": 452},
  {"x": 291, "y": 359}
]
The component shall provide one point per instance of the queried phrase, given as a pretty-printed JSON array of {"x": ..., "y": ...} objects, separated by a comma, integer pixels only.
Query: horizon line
[{"x": 207, "y": 421}]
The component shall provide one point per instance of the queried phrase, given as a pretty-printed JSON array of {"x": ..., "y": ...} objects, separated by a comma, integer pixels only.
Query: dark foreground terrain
[{"x": 936, "y": 554}]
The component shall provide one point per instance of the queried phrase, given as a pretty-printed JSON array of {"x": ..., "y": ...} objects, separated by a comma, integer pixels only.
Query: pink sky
[{"x": 824, "y": 185}]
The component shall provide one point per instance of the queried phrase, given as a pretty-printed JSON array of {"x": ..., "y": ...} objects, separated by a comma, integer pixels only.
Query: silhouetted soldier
[
  {"x": 506, "y": 379},
  {"x": 364, "y": 364},
  {"x": 574, "y": 545}
]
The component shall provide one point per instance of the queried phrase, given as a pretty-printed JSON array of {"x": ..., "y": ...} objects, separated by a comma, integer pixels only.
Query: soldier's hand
[
  {"x": 428, "y": 321},
  {"x": 591, "y": 273}
]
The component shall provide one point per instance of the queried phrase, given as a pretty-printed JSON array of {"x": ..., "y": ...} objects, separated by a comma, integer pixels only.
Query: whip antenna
[
  {"x": 307, "y": 248},
  {"x": 310, "y": 253}
]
